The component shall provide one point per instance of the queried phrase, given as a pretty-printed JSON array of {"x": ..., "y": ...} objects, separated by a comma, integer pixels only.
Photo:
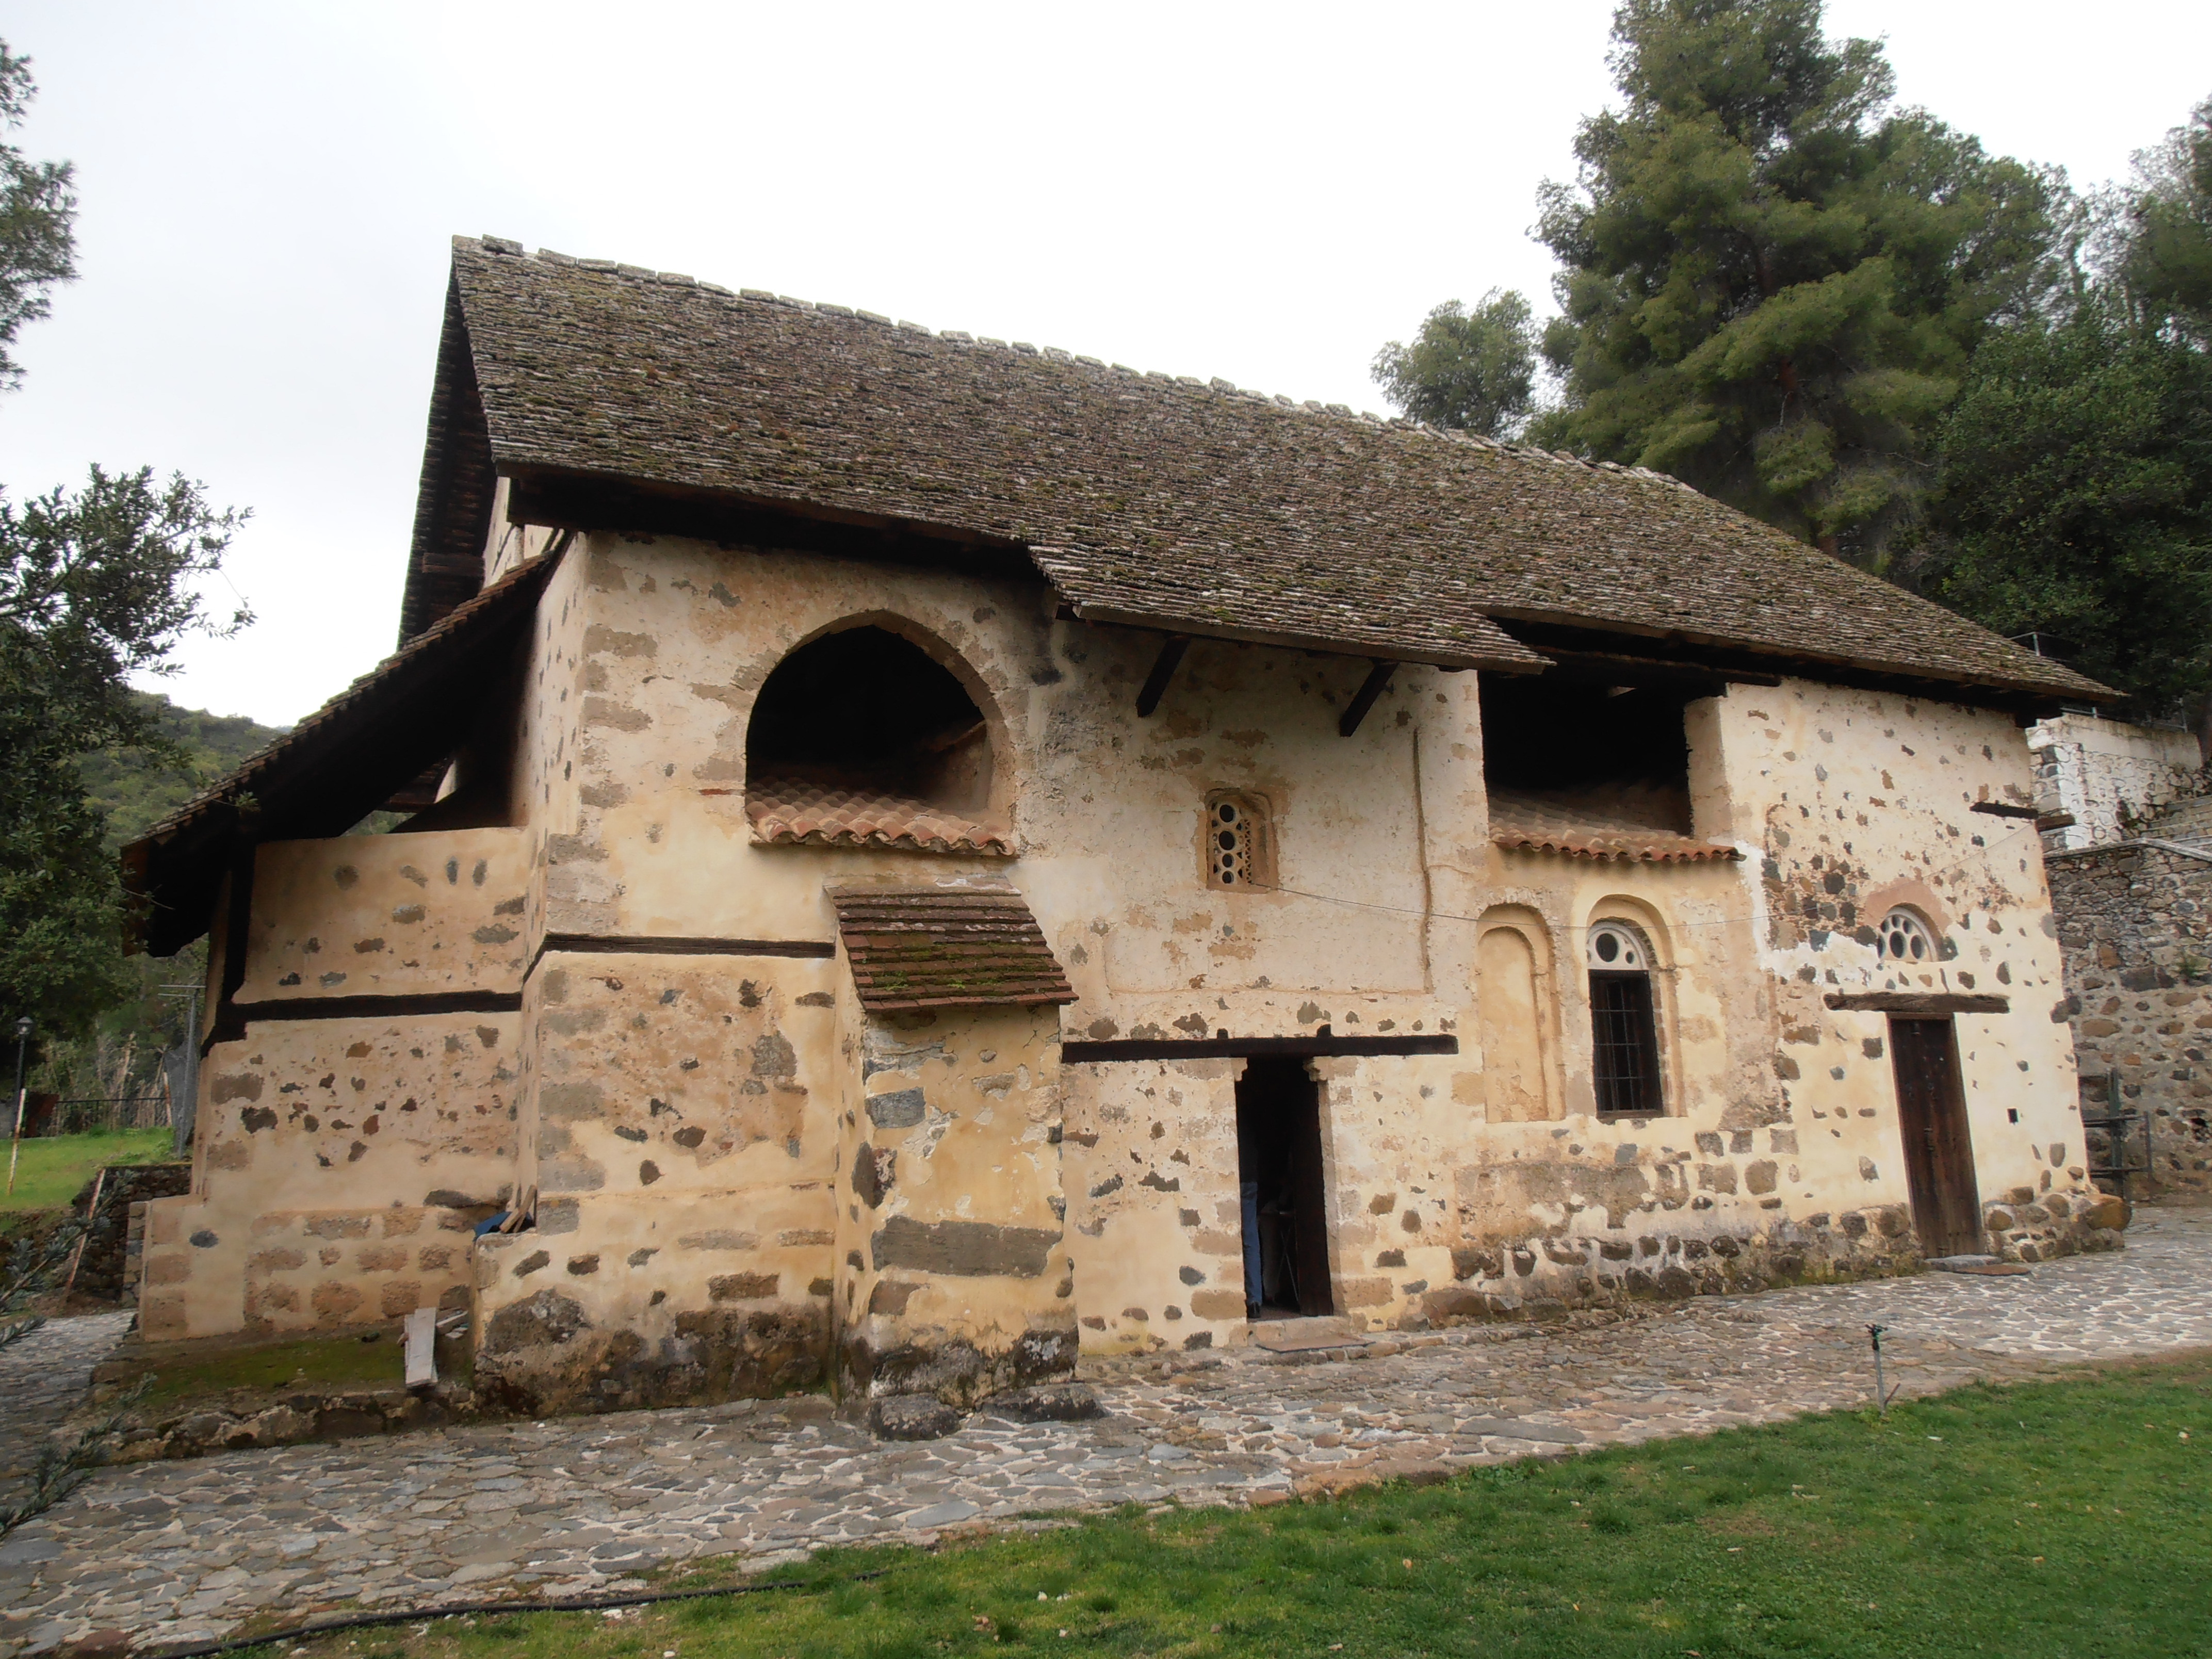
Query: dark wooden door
[
  {"x": 1279, "y": 1151},
  {"x": 1939, "y": 1149},
  {"x": 1309, "y": 1193}
]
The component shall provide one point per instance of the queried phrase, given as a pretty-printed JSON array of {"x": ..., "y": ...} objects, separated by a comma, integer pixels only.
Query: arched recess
[
  {"x": 1622, "y": 1010},
  {"x": 877, "y": 728},
  {"x": 1518, "y": 1006}
]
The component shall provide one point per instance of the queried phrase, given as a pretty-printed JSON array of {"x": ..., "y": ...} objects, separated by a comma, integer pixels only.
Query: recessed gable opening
[
  {"x": 862, "y": 736},
  {"x": 473, "y": 786},
  {"x": 1596, "y": 756}
]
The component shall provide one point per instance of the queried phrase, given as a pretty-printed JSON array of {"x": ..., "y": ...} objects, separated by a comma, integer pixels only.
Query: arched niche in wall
[
  {"x": 1517, "y": 1007},
  {"x": 878, "y": 712}
]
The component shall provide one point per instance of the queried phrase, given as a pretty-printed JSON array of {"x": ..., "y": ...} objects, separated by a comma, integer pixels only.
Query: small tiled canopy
[
  {"x": 946, "y": 947},
  {"x": 1530, "y": 823}
]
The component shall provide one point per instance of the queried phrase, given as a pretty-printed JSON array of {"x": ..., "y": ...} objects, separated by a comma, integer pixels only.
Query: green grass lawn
[
  {"x": 52, "y": 1169},
  {"x": 319, "y": 1364},
  {"x": 2062, "y": 1518}
]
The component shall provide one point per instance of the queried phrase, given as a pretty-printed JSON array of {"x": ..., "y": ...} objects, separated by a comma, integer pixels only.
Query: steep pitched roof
[
  {"x": 1149, "y": 500},
  {"x": 335, "y": 767}
]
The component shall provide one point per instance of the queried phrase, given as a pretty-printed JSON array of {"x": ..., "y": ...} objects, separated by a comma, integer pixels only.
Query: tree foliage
[
  {"x": 2074, "y": 500},
  {"x": 38, "y": 211},
  {"x": 2158, "y": 241},
  {"x": 1471, "y": 369},
  {"x": 96, "y": 586},
  {"x": 1771, "y": 282}
]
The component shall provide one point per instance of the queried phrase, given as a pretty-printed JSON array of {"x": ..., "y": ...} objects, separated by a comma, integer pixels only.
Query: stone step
[{"x": 1306, "y": 1334}]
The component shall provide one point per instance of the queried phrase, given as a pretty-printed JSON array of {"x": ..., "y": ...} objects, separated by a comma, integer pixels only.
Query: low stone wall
[
  {"x": 2135, "y": 925},
  {"x": 104, "y": 1270}
]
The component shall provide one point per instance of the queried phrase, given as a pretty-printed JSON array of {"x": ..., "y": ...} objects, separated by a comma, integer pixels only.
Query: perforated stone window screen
[
  {"x": 1610, "y": 950},
  {"x": 1903, "y": 936},
  {"x": 1234, "y": 842}
]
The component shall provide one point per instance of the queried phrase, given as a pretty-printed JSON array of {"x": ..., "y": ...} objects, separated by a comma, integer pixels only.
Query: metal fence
[{"x": 95, "y": 1114}]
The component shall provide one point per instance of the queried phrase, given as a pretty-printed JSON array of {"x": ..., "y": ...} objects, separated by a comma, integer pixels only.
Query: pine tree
[{"x": 1771, "y": 282}]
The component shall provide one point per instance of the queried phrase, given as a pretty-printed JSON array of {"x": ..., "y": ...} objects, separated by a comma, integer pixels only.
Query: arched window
[
  {"x": 861, "y": 737},
  {"x": 1904, "y": 936},
  {"x": 1624, "y": 1023},
  {"x": 1237, "y": 842}
]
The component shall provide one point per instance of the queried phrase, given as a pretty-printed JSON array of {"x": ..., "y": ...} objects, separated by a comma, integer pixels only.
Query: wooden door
[
  {"x": 1310, "y": 1191},
  {"x": 1939, "y": 1149}
]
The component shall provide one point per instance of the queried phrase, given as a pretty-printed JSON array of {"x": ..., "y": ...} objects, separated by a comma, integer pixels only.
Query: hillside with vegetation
[{"x": 136, "y": 788}]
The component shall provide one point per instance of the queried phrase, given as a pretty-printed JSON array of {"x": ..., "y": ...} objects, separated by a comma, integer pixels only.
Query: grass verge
[
  {"x": 2071, "y": 1518},
  {"x": 50, "y": 1169},
  {"x": 320, "y": 1364}
]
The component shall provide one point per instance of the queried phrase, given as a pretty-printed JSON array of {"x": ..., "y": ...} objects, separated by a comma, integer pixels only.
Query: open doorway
[
  {"x": 1939, "y": 1148},
  {"x": 1283, "y": 1190}
]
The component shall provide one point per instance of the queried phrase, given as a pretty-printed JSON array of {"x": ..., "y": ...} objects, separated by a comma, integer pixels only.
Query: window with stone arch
[
  {"x": 1624, "y": 1021},
  {"x": 1905, "y": 938},
  {"x": 1237, "y": 842}
]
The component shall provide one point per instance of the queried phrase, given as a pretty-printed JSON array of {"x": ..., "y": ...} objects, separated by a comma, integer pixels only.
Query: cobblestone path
[
  {"x": 184, "y": 1551},
  {"x": 42, "y": 1378}
]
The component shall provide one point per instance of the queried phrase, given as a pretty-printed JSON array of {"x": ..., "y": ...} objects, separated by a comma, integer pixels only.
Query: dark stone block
[
  {"x": 902, "y": 1108},
  {"x": 1050, "y": 1402},
  {"x": 913, "y": 1416},
  {"x": 970, "y": 1249}
]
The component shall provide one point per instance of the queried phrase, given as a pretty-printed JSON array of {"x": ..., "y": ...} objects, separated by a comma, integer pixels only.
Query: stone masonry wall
[
  {"x": 2136, "y": 924},
  {"x": 2109, "y": 774}
]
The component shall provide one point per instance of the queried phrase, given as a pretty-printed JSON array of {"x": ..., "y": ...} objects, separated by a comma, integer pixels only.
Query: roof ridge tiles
[
  {"x": 1193, "y": 512},
  {"x": 642, "y": 273}
]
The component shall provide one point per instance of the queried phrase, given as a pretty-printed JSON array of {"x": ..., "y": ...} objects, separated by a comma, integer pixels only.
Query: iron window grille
[{"x": 1623, "y": 1025}]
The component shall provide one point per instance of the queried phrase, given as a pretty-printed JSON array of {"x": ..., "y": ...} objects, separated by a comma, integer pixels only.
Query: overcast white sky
[{"x": 1263, "y": 193}]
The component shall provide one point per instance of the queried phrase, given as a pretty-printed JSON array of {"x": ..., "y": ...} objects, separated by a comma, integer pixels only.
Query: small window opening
[
  {"x": 1903, "y": 936},
  {"x": 866, "y": 710},
  {"x": 1583, "y": 756},
  {"x": 1624, "y": 1023},
  {"x": 1235, "y": 843}
]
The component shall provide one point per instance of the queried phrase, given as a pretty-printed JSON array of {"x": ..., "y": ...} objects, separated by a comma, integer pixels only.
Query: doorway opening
[
  {"x": 1939, "y": 1147},
  {"x": 1284, "y": 1191}
]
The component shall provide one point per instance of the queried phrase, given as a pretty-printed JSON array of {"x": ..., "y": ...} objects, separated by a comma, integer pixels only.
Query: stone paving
[
  {"x": 181, "y": 1552},
  {"x": 42, "y": 1379}
]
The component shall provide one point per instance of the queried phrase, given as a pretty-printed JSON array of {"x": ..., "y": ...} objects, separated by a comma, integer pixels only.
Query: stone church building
[{"x": 925, "y": 856}]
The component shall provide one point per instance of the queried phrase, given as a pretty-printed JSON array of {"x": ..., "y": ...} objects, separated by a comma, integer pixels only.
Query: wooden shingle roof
[
  {"x": 1162, "y": 501},
  {"x": 946, "y": 947}
]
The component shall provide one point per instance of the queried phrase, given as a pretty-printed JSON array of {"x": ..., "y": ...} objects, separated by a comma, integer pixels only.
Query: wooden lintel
[
  {"x": 1229, "y": 1047},
  {"x": 237, "y": 1016},
  {"x": 2003, "y": 809},
  {"x": 1927, "y": 1004},
  {"x": 1164, "y": 668},
  {"x": 1378, "y": 676}
]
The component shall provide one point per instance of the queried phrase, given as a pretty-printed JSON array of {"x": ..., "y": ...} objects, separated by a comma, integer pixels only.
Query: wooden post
[
  {"x": 91, "y": 1215},
  {"x": 421, "y": 1348},
  {"x": 1378, "y": 676},
  {"x": 15, "y": 1146},
  {"x": 1164, "y": 668}
]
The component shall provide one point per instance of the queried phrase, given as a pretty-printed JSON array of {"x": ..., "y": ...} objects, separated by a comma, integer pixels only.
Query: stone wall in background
[
  {"x": 2110, "y": 776},
  {"x": 2135, "y": 925}
]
